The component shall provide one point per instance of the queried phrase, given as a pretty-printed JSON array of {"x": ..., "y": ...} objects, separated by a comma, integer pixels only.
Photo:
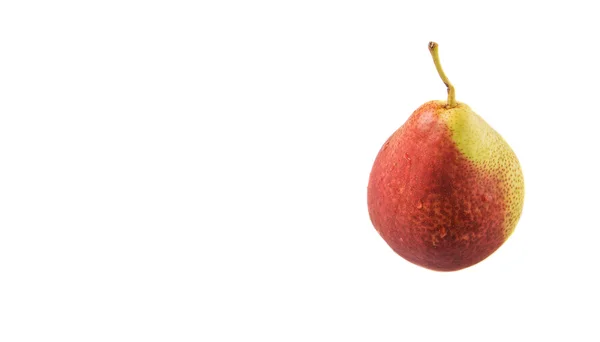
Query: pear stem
[{"x": 433, "y": 49}]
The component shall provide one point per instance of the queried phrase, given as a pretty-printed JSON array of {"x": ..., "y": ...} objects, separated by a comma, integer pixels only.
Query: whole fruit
[{"x": 445, "y": 190}]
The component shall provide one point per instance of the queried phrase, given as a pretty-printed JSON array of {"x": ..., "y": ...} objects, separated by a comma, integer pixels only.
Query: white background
[{"x": 197, "y": 171}]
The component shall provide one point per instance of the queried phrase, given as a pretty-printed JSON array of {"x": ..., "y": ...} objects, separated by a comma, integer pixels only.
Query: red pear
[{"x": 445, "y": 190}]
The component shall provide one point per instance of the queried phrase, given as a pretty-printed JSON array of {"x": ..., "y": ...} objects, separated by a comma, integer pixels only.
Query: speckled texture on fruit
[{"x": 445, "y": 190}]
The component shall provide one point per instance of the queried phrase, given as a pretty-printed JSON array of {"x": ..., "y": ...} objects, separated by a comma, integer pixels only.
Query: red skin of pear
[{"x": 429, "y": 202}]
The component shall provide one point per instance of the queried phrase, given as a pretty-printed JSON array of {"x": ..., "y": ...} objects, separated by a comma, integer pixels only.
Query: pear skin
[{"x": 445, "y": 191}]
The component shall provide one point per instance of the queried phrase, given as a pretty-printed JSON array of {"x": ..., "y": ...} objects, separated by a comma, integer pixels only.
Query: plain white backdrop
[{"x": 197, "y": 171}]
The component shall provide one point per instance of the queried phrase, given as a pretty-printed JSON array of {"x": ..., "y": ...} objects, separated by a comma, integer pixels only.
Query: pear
[{"x": 445, "y": 191}]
